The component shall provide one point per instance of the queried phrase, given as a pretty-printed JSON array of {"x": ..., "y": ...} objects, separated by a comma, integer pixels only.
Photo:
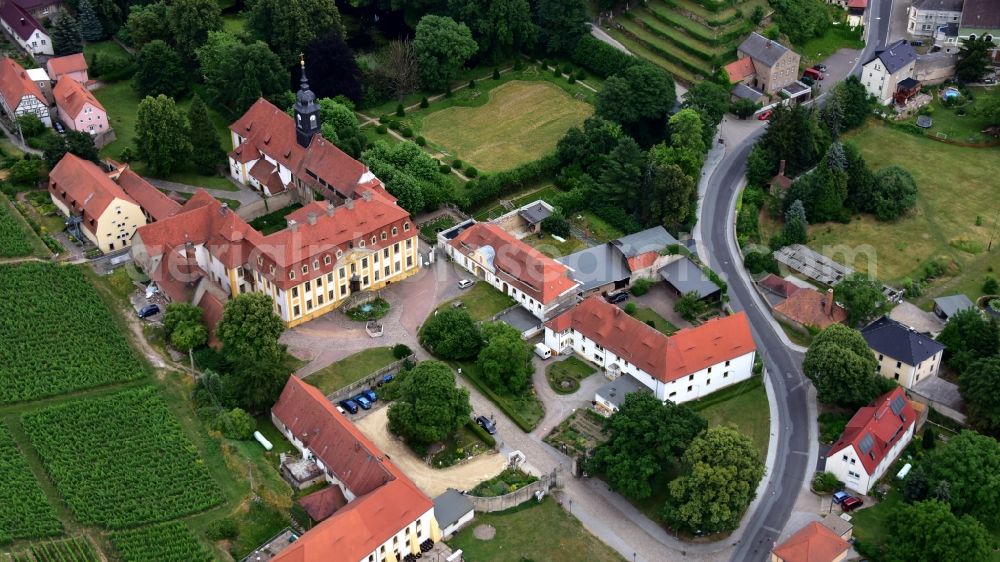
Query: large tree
[
  {"x": 980, "y": 386},
  {"x": 430, "y": 407},
  {"x": 843, "y": 368},
  {"x": 442, "y": 47},
  {"x": 722, "y": 469},
  {"x": 159, "y": 70},
  {"x": 76, "y": 142},
  {"x": 969, "y": 336},
  {"x": 183, "y": 325},
  {"x": 398, "y": 67},
  {"x": 801, "y": 20},
  {"x": 930, "y": 531},
  {"x": 645, "y": 437},
  {"x": 287, "y": 26},
  {"x": 711, "y": 101},
  {"x": 340, "y": 126},
  {"x": 91, "y": 28},
  {"x": 206, "y": 150},
  {"x": 66, "y": 38},
  {"x": 249, "y": 332},
  {"x": 621, "y": 179},
  {"x": 451, "y": 334},
  {"x": 561, "y": 24},
  {"x": 894, "y": 193},
  {"x": 671, "y": 195},
  {"x": 148, "y": 23},
  {"x": 686, "y": 146},
  {"x": 862, "y": 297},
  {"x": 332, "y": 67},
  {"x": 409, "y": 173},
  {"x": 237, "y": 73},
  {"x": 190, "y": 23},
  {"x": 161, "y": 134},
  {"x": 501, "y": 27},
  {"x": 505, "y": 359},
  {"x": 973, "y": 59},
  {"x": 639, "y": 98},
  {"x": 970, "y": 464},
  {"x": 795, "y": 230}
]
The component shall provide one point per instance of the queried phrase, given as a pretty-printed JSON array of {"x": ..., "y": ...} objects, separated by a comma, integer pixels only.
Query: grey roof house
[
  {"x": 618, "y": 263},
  {"x": 882, "y": 74},
  {"x": 452, "y": 511},
  {"x": 903, "y": 354},
  {"x": 946, "y": 307},
  {"x": 684, "y": 276}
]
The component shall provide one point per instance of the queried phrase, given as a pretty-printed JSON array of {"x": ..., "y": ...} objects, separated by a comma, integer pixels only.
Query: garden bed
[
  {"x": 510, "y": 480},
  {"x": 582, "y": 431},
  {"x": 564, "y": 377},
  {"x": 371, "y": 310}
]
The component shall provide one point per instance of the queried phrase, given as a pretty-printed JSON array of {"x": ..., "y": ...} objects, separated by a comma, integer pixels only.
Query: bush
[
  {"x": 760, "y": 262},
  {"x": 571, "y": 80},
  {"x": 518, "y": 65},
  {"x": 990, "y": 286},
  {"x": 630, "y": 308},
  {"x": 384, "y": 118},
  {"x": 457, "y": 164},
  {"x": 400, "y": 110},
  {"x": 407, "y": 132},
  {"x": 382, "y": 129},
  {"x": 447, "y": 91},
  {"x": 444, "y": 168},
  {"x": 394, "y": 125},
  {"x": 600, "y": 58},
  {"x": 472, "y": 84},
  {"x": 235, "y": 424},
  {"x": 421, "y": 141},
  {"x": 826, "y": 483},
  {"x": 567, "y": 69},
  {"x": 641, "y": 287},
  {"x": 556, "y": 224},
  {"x": 556, "y": 72},
  {"x": 424, "y": 103},
  {"x": 223, "y": 529},
  {"x": 471, "y": 172},
  {"x": 580, "y": 75},
  {"x": 496, "y": 73},
  {"x": 481, "y": 433},
  {"x": 401, "y": 350}
]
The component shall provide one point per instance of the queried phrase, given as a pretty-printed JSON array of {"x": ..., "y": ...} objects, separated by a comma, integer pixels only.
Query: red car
[
  {"x": 852, "y": 503},
  {"x": 765, "y": 116}
]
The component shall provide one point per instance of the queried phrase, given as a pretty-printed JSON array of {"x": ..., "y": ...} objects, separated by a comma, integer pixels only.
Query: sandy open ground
[{"x": 432, "y": 481}]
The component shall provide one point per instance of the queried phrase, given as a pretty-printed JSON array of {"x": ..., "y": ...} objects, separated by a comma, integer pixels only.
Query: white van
[
  {"x": 465, "y": 283},
  {"x": 542, "y": 351}
]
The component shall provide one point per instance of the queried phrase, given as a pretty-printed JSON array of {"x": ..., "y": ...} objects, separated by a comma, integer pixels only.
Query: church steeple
[{"x": 306, "y": 110}]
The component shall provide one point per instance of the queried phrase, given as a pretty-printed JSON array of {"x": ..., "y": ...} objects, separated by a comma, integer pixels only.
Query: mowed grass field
[
  {"x": 956, "y": 185},
  {"x": 521, "y": 122}
]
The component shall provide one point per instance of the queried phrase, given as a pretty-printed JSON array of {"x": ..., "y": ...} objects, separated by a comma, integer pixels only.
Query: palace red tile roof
[
  {"x": 15, "y": 84},
  {"x": 876, "y": 428},
  {"x": 71, "y": 97},
  {"x": 88, "y": 189},
  {"x": 324, "y": 503},
  {"x": 532, "y": 272},
  {"x": 740, "y": 69},
  {"x": 154, "y": 201},
  {"x": 57, "y": 66},
  {"x": 665, "y": 358},
  {"x": 812, "y": 543},
  {"x": 386, "y": 500}
]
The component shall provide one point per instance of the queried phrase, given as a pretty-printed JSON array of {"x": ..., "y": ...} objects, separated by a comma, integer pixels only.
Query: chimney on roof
[
  {"x": 330, "y": 209},
  {"x": 781, "y": 168},
  {"x": 224, "y": 208},
  {"x": 349, "y": 203},
  {"x": 311, "y": 218},
  {"x": 367, "y": 195},
  {"x": 829, "y": 302},
  {"x": 292, "y": 225}
]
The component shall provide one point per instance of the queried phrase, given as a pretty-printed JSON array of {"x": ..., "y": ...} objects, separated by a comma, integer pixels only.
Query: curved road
[{"x": 793, "y": 407}]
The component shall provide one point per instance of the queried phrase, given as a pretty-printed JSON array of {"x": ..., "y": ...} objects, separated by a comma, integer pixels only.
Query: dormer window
[
  {"x": 395, "y": 231},
  {"x": 315, "y": 264},
  {"x": 374, "y": 240},
  {"x": 260, "y": 260},
  {"x": 291, "y": 275},
  {"x": 326, "y": 259},
  {"x": 305, "y": 269},
  {"x": 384, "y": 235},
  {"x": 361, "y": 243},
  {"x": 271, "y": 270},
  {"x": 406, "y": 226},
  {"x": 339, "y": 253}
]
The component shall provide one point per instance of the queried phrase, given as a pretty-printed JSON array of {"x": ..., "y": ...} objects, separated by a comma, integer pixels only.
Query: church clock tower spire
[{"x": 306, "y": 110}]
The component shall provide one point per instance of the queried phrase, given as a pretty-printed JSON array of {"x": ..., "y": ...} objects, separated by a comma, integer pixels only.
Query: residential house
[
  {"x": 19, "y": 95},
  {"x": 948, "y": 306},
  {"x": 774, "y": 65},
  {"x": 810, "y": 309},
  {"x": 40, "y": 9},
  {"x": 980, "y": 18},
  {"x": 452, "y": 510},
  {"x": 78, "y": 109},
  {"x": 74, "y": 66},
  {"x": 872, "y": 441},
  {"x": 619, "y": 263},
  {"x": 537, "y": 282},
  {"x": 856, "y": 12},
  {"x": 812, "y": 543},
  {"x": 690, "y": 364},
  {"x": 778, "y": 286},
  {"x": 385, "y": 517},
  {"x": 109, "y": 217},
  {"x": 25, "y": 29},
  {"x": 683, "y": 276},
  {"x": 154, "y": 203},
  {"x": 41, "y": 78},
  {"x": 924, "y": 17},
  {"x": 904, "y": 355},
  {"x": 526, "y": 220},
  {"x": 882, "y": 74}
]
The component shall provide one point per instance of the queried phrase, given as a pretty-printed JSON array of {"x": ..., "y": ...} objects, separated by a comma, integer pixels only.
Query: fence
[
  {"x": 365, "y": 382},
  {"x": 517, "y": 497}
]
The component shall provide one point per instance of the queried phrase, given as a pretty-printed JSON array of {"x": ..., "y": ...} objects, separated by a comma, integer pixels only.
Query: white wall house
[
  {"x": 19, "y": 94},
  {"x": 924, "y": 17},
  {"x": 904, "y": 355},
  {"x": 686, "y": 366},
  {"x": 881, "y": 75},
  {"x": 872, "y": 441},
  {"x": 25, "y": 29}
]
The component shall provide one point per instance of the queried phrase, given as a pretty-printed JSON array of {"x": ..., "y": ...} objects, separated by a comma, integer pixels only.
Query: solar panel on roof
[
  {"x": 897, "y": 405},
  {"x": 867, "y": 442}
]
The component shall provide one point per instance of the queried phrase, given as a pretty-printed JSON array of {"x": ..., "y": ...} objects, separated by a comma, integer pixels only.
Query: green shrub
[
  {"x": 571, "y": 80},
  {"x": 444, "y": 168},
  {"x": 223, "y": 529},
  {"x": 407, "y": 132},
  {"x": 424, "y": 103},
  {"x": 421, "y": 141},
  {"x": 471, "y": 172},
  {"x": 556, "y": 72},
  {"x": 235, "y": 424},
  {"x": 472, "y": 83},
  {"x": 630, "y": 308},
  {"x": 456, "y": 163},
  {"x": 518, "y": 65},
  {"x": 400, "y": 110},
  {"x": 990, "y": 286},
  {"x": 401, "y": 350},
  {"x": 600, "y": 58},
  {"x": 384, "y": 118},
  {"x": 580, "y": 75},
  {"x": 567, "y": 69},
  {"x": 481, "y": 433},
  {"x": 496, "y": 73},
  {"x": 382, "y": 129},
  {"x": 447, "y": 91},
  {"x": 394, "y": 125},
  {"x": 641, "y": 287},
  {"x": 826, "y": 483}
]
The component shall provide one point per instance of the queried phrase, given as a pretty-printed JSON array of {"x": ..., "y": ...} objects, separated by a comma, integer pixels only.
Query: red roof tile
[
  {"x": 15, "y": 84},
  {"x": 537, "y": 275},
  {"x": 71, "y": 97},
  {"x": 857, "y": 3},
  {"x": 642, "y": 261},
  {"x": 779, "y": 286},
  {"x": 882, "y": 423},
  {"x": 387, "y": 501},
  {"x": 324, "y": 503},
  {"x": 812, "y": 308},
  {"x": 57, "y": 66},
  {"x": 740, "y": 69},
  {"x": 812, "y": 543},
  {"x": 154, "y": 201},
  {"x": 88, "y": 189},
  {"x": 665, "y": 358}
]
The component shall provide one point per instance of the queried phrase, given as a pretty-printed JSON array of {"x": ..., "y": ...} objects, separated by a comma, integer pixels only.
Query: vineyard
[
  {"x": 24, "y": 513},
  {"x": 13, "y": 234},
  {"x": 76, "y": 549},
  {"x": 58, "y": 334},
  {"x": 121, "y": 460},
  {"x": 168, "y": 542}
]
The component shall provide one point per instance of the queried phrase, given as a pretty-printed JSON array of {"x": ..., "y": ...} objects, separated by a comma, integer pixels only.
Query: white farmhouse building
[
  {"x": 685, "y": 366},
  {"x": 883, "y": 73},
  {"x": 25, "y": 29},
  {"x": 19, "y": 94}
]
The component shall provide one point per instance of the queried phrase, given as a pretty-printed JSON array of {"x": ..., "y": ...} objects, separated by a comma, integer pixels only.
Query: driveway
[
  {"x": 560, "y": 406},
  {"x": 662, "y": 302},
  {"x": 838, "y": 67},
  {"x": 432, "y": 481},
  {"x": 920, "y": 320}
]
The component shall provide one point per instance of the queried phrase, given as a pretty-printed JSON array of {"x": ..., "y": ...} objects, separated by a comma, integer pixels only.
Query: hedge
[
  {"x": 499, "y": 402},
  {"x": 481, "y": 433},
  {"x": 600, "y": 58},
  {"x": 492, "y": 186}
]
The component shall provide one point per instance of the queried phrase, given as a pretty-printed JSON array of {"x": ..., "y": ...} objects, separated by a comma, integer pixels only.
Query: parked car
[
  {"x": 370, "y": 395},
  {"x": 808, "y": 81},
  {"x": 616, "y": 298},
  {"x": 386, "y": 378},
  {"x": 466, "y": 283},
  {"x": 349, "y": 405},
  {"x": 990, "y": 80},
  {"x": 820, "y": 67},
  {"x": 487, "y": 425},
  {"x": 59, "y": 127},
  {"x": 543, "y": 351},
  {"x": 363, "y": 401},
  {"x": 765, "y": 116},
  {"x": 917, "y": 43},
  {"x": 813, "y": 73},
  {"x": 840, "y": 496},
  {"x": 149, "y": 310},
  {"x": 851, "y": 503}
]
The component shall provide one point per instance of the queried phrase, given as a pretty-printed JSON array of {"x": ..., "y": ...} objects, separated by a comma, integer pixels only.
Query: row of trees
[{"x": 166, "y": 138}]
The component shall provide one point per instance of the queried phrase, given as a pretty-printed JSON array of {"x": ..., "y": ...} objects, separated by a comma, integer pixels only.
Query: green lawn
[
  {"x": 743, "y": 405},
  {"x": 553, "y": 248},
  {"x": 950, "y": 199},
  {"x": 121, "y": 102},
  {"x": 482, "y": 301},
  {"x": 948, "y": 123},
  {"x": 571, "y": 371},
  {"x": 871, "y": 523},
  {"x": 836, "y": 37},
  {"x": 104, "y": 48},
  {"x": 532, "y": 531},
  {"x": 520, "y": 122},
  {"x": 595, "y": 227},
  {"x": 660, "y": 323},
  {"x": 275, "y": 220},
  {"x": 547, "y": 192},
  {"x": 431, "y": 229},
  {"x": 351, "y": 369}
]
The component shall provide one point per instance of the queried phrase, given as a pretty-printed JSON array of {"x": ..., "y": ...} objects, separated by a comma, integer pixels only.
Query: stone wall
[
  {"x": 516, "y": 498},
  {"x": 250, "y": 211}
]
